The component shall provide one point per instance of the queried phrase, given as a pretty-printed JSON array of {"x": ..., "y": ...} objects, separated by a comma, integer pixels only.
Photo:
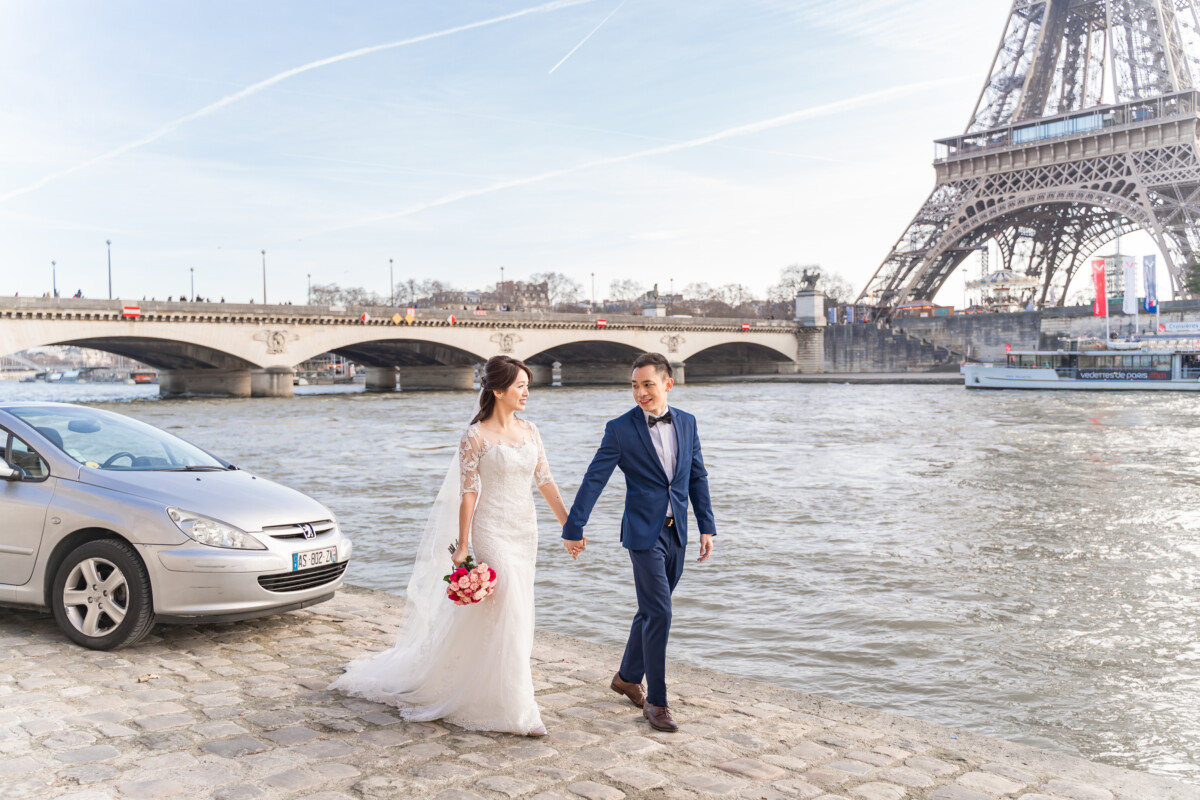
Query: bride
[{"x": 469, "y": 665}]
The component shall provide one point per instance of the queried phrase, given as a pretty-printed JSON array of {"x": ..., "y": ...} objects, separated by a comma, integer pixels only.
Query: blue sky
[{"x": 701, "y": 141}]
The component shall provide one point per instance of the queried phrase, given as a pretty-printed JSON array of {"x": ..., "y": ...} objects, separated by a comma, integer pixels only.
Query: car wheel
[{"x": 101, "y": 596}]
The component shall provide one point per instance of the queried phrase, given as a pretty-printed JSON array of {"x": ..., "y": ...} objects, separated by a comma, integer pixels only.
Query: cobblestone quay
[{"x": 241, "y": 711}]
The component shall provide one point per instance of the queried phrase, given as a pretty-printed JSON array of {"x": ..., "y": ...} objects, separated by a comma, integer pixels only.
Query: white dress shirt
[{"x": 666, "y": 444}]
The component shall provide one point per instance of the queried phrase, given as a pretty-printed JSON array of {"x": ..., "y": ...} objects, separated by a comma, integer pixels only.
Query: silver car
[{"x": 115, "y": 525}]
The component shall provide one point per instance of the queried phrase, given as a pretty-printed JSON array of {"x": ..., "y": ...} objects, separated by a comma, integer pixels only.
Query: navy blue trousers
[{"x": 655, "y": 573}]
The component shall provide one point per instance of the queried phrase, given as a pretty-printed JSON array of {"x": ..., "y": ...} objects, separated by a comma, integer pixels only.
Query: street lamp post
[
  {"x": 54, "y": 277},
  {"x": 391, "y": 284},
  {"x": 310, "y": 288},
  {"x": 264, "y": 256},
  {"x": 593, "y": 293},
  {"x": 501, "y": 288},
  {"x": 108, "y": 243},
  {"x": 192, "y": 270}
]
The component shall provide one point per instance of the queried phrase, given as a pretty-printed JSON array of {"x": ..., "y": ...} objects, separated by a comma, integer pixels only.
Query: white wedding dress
[{"x": 469, "y": 665}]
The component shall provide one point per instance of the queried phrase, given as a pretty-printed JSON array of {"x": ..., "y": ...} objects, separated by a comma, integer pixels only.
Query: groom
[{"x": 658, "y": 450}]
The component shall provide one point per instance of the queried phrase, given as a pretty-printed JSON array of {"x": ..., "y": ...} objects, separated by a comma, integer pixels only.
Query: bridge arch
[
  {"x": 1061, "y": 228},
  {"x": 404, "y": 352},
  {"x": 392, "y": 346},
  {"x": 585, "y": 361},
  {"x": 738, "y": 358},
  {"x": 162, "y": 354}
]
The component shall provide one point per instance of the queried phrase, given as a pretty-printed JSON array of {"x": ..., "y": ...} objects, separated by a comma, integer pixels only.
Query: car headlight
[{"x": 210, "y": 532}]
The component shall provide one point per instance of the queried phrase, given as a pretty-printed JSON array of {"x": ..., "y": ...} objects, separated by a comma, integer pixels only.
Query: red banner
[
  {"x": 601, "y": 323},
  {"x": 131, "y": 312},
  {"x": 1100, "y": 305}
]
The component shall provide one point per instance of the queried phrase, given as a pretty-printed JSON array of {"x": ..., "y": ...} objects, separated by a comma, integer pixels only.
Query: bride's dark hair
[{"x": 499, "y": 373}]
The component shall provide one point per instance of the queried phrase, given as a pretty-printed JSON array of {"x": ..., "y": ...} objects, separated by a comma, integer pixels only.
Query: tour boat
[
  {"x": 143, "y": 376},
  {"x": 1148, "y": 368}
]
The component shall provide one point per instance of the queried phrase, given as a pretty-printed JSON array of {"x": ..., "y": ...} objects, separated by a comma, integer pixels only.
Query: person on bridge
[{"x": 658, "y": 450}]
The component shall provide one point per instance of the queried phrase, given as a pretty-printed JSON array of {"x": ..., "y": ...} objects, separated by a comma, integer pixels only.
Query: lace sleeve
[
  {"x": 469, "y": 449},
  {"x": 541, "y": 473}
]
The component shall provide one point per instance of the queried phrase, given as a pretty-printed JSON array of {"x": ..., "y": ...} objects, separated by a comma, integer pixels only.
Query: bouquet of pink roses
[{"x": 470, "y": 583}]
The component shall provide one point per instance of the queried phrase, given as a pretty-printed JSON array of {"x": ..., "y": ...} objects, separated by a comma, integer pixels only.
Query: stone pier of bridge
[{"x": 267, "y": 382}]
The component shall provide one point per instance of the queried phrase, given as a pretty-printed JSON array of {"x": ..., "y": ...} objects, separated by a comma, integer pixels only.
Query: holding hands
[{"x": 575, "y": 546}]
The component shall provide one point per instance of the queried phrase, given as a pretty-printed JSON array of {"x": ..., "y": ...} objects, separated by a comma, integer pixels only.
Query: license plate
[{"x": 314, "y": 558}]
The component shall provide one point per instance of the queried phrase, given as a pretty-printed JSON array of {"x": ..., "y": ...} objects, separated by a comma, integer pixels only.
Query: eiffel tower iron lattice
[{"x": 1088, "y": 126}]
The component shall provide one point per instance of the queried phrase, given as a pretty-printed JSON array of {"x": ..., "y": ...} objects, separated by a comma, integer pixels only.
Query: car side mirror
[{"x": 10, "y": 473}]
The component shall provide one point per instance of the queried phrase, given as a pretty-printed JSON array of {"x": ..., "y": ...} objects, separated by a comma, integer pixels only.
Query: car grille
[
  {"x": 302, "y": 579},
  {"x": 296, "y": 531}
]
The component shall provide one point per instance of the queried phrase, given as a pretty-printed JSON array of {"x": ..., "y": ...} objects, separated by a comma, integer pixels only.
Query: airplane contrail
[
  {"x": 576, "y": 47},
  {"x": 255, "y": 88},
  {"x": 823, "y": 110}
]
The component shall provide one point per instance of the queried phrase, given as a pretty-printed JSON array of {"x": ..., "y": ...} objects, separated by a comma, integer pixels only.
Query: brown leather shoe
[
  {"x": 633, "y": 691},
  {"x": 659, "y": 718}
]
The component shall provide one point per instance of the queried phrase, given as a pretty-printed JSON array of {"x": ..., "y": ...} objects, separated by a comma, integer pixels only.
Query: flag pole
[
  {"x": 1137, "y": 320},
  {"x": 1107, "y": 298},
  {"x": 1107, "y": 310},
  {"x": 1157, "y": 301}
]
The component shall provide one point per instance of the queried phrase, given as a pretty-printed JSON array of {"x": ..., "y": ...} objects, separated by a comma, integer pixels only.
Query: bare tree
[
  {"x": 329, "y": 294},
  {"x": 326, "y": 294},
  {"x": 835, "y": 287},
  {"x": 707, "y": 301},
  {"x": 625, "y": 291},
  {"x": 735, "y": 294},
  {"x": 560, "y": 289},
  {"x": 358, "y": 296},
  {"x": 410, "y": 290}
]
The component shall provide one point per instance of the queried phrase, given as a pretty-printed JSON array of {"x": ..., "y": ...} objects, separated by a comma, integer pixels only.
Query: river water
[{"x": 1020, "y": 564}]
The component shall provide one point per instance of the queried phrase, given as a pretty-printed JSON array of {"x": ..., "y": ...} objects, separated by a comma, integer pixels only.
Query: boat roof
[{"x": 1140, "y": 352}]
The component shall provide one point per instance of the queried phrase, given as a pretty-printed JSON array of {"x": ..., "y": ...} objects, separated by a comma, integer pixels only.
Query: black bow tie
[{"x": 653, "y": 420}]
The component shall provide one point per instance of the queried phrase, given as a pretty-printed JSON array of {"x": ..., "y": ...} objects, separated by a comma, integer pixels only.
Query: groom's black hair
[{"x": 656, "y": 360}]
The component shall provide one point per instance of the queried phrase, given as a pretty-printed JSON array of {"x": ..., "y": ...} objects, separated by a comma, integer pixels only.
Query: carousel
[{"x": 1003, "y": 291}]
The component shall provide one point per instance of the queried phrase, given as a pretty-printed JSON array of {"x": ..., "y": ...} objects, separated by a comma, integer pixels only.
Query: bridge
[{"x": 247, "y": 350}]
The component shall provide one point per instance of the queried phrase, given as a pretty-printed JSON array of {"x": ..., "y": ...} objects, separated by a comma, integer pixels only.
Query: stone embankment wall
[
  {"x": 936, "y": 344},
  {"x": 872, "y": 348},
  {"x": 1059, "y": 324},
  {"x": 986, "y": 334},
  {"x": 980, "y": 337}
]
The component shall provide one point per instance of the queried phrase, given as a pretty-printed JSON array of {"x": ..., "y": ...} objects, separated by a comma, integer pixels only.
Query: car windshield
[{"x": 103, "y": 440}]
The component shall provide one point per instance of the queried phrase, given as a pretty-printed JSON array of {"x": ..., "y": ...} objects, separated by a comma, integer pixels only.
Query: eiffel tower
[{"x": 1088, "y": 126}]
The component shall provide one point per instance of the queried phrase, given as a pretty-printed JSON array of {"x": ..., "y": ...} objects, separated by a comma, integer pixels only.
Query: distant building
[{"x": 518, "y": 296}]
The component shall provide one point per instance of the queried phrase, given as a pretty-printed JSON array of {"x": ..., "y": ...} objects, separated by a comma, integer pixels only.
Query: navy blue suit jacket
[{"x": 648, "y": 488}]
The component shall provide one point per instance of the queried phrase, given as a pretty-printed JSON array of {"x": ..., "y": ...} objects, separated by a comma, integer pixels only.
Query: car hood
[{"x": 233, "y": 496}]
